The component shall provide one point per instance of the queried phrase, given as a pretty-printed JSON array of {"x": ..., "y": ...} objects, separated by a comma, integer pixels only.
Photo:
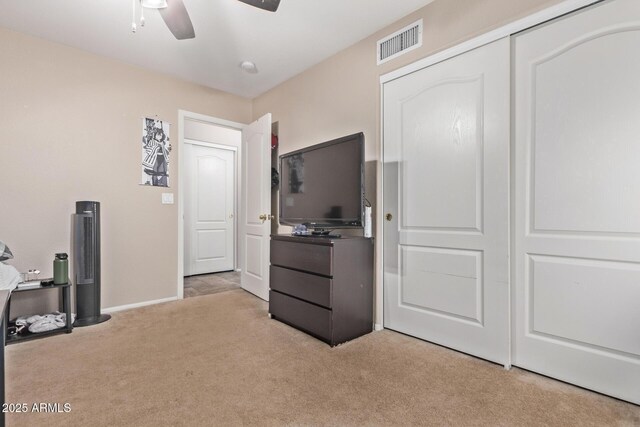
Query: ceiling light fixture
[
  {"x": 148, "y": 4},
  {"x": 249, "y": 67},
  {"x": 154, "y": 4}
]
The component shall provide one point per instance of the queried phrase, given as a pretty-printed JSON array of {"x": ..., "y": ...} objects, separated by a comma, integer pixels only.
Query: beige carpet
[{"x": 219, "y": 360}]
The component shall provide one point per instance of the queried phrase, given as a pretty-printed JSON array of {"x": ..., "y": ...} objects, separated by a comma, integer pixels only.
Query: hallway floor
[{"x": 207, "y": 284}]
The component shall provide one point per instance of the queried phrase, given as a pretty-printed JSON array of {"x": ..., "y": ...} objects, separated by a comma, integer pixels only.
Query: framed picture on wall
[{"x": 156, "y": 147}]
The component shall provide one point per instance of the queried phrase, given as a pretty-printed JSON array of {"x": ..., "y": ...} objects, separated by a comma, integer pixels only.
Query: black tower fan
[{"x": 86, "y": 266}]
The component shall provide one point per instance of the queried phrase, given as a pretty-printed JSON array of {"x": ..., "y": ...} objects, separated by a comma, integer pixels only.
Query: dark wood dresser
[{"x": 323, "y": 285}]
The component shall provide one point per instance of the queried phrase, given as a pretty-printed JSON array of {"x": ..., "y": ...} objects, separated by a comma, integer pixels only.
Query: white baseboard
[
  {"x": 378, "y": 327},
  {"x": 137, "y": 304}
]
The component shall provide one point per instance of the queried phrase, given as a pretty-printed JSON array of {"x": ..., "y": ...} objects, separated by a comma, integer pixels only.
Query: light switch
[{"x": 167, "y": 198}]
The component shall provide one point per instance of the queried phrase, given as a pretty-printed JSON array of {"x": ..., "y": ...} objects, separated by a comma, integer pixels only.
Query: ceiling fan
[{"x": 175, "y": 14}]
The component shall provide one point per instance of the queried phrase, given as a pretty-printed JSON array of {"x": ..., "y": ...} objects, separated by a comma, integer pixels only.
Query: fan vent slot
[
  {"x": 400, "y": 42},
  {"x": 85, "y": 248},
  {"x": 88, "y": 267}
]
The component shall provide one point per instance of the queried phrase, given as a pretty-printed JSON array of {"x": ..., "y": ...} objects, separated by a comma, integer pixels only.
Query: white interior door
[
  {"x": 256, "y": 206},
  {"x": 577, "y": 241},
  {"x": 446, "y": 175},
  {"x": 209, "y": 209}
]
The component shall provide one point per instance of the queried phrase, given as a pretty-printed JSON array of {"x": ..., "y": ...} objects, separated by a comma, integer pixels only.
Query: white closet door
[
  {"x": 577, "y": 241},
  {"x": 446, "y": 175}
]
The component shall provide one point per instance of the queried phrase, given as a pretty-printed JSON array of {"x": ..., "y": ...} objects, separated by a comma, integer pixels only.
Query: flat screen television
[{"x": 322, "y": 186}]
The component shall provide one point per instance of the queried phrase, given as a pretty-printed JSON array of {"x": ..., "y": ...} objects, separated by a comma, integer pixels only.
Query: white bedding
[{"x": 9, "y": 276}]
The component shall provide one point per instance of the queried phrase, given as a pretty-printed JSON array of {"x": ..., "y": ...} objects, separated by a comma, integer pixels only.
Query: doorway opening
[{"x": 209, "y": 205}]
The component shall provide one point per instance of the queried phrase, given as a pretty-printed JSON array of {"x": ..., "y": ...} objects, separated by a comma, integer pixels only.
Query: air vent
[{"x": 400, "y": 42}]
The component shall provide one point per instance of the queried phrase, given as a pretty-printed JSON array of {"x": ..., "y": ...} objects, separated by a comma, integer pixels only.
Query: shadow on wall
[{"x": 370, "y": 189}]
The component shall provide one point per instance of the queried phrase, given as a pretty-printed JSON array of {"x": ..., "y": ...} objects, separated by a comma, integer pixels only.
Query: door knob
[
  {"x": 231, "y": 216},
  {"x": 389, "y": 217},
  {"x": 265, "y": 217}
]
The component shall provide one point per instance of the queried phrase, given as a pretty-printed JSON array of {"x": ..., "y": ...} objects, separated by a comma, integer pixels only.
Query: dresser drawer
[
  {"x": 302, "y": 315},
  {"x": 309, "y": 287},
  {"x": 302, "y": 256}
]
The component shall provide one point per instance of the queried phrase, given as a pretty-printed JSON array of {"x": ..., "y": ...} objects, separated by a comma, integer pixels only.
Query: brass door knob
[
  {"x": 389, "y": 217},
  {"x": 265, "y": 217}
]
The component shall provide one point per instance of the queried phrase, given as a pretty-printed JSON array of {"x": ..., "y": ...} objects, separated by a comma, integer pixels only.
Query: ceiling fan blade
[
  {"x": 176, "y": 17},
  {"x": 270, "y": 5}
]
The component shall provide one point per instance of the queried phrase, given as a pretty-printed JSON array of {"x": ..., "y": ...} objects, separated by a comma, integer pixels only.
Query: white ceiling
[{"x": 299, "y": 35}]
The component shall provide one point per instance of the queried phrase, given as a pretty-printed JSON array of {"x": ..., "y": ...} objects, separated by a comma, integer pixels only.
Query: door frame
[
  {"x": 508, "y": 30},
  {"x": 184, "y": 115}
]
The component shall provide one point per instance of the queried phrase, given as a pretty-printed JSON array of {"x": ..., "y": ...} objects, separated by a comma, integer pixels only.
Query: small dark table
[{"x": 65, "y": 291}]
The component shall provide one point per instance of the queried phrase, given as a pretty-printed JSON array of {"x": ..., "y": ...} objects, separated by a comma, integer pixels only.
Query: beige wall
[
  {"x": 70, "y": 126},
  {"x": 342, "y": 94},
  {"x": 70, "y": 130}
]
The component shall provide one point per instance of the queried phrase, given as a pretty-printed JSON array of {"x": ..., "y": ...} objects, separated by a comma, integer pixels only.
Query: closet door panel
[
  {"x": 446, "y": 175},
  {"x": 577, "y": 222}
]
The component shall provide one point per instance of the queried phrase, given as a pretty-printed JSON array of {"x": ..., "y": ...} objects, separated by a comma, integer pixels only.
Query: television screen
[{"x": 323, "y": 185}]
